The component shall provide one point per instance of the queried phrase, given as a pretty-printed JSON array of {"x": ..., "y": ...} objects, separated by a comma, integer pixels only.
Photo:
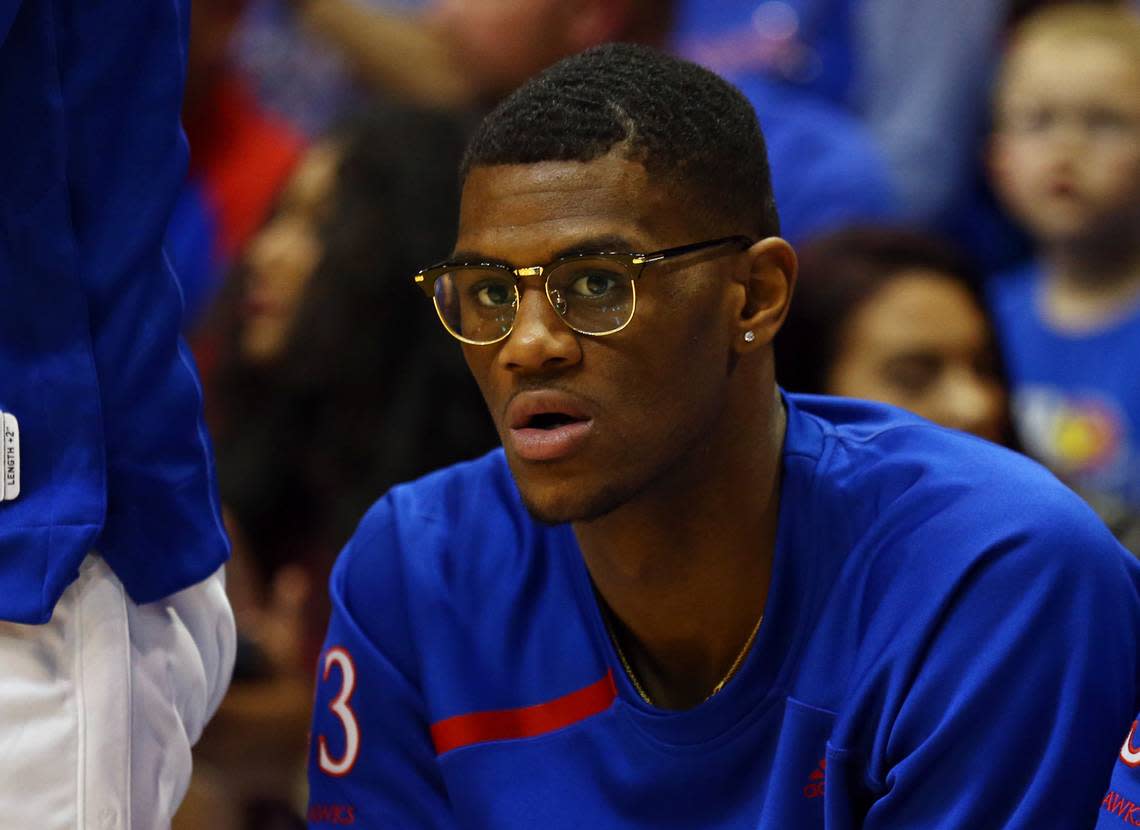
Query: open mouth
[
  {"x": 549, "y": 420},
  {"x": 546, "y": 427}
]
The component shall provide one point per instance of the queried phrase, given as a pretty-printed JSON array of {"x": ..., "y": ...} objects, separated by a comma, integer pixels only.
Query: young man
[
  {"x": 677, "y": 597},
  {"x": 116, "y": 638}
]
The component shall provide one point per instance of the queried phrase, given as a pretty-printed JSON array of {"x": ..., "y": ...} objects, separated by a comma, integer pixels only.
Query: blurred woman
[
  {"x": 334, "y": 383},
  {"x": 337, "y": 382},
  {"x": 898, "y": 317}
]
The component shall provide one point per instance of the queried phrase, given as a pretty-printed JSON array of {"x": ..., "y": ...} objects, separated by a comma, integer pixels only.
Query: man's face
[
  {"x": 591, "y": 423},
  {"x": 1067, "y": 150}
]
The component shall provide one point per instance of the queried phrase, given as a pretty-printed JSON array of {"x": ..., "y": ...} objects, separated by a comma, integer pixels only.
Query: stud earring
[{"x": 749, "y": 336}]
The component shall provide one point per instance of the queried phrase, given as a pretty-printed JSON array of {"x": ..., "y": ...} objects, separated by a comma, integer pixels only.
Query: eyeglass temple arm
[{"x": 681, "y": 250}]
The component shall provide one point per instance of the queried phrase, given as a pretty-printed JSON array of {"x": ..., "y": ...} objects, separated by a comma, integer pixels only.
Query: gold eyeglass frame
[{"x": 633, "y": 263}]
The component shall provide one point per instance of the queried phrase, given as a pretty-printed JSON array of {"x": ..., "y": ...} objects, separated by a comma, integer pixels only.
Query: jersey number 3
[{"x": 340, "y": 707}]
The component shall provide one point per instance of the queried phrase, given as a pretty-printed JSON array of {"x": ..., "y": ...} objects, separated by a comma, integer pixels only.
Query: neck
[
  {"x": 1089, "y": 283},
  {"x": 684, "y": 570}
]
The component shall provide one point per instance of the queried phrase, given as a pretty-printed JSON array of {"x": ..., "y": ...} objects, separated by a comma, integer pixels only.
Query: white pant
[{"x": 100, "y": 706}]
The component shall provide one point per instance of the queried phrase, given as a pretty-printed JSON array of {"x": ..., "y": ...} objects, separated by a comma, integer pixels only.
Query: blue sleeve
[
  {"x": 8, "y": 10},
  {"x": 1120, "y": 806},
  {"x": 1022, "y": 681},
  {"x": 371, "y": 761},
  {"x": 122, "y": 67}
]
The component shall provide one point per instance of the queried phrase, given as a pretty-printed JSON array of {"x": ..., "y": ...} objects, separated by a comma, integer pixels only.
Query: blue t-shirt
[
  {"x": 114, "y": 453},
  {"x": 827, "y": 171},
  {"x": 950, "y": 641},
  {"x": 1121, "y": 805},
  {"x": 1076, "y": 397}
]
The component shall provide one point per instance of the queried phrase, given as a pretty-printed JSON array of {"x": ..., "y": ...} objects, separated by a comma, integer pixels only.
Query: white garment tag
[{"x": 10, "y": 460}]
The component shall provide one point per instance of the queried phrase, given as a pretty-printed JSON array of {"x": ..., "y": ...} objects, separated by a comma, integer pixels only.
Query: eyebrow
[{"x": 589, "y": 245}]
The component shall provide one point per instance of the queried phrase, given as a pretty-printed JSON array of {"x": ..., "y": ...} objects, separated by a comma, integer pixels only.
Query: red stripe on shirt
[{"x": 526, "y": 722}]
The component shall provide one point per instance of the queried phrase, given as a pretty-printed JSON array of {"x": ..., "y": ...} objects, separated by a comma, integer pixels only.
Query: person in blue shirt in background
[
  {"x": 116, "y": 638},
  {"x": 468, "y": 54},
  {"x": 1065, "y": 157},
  {"x": 677, "y": 597}
]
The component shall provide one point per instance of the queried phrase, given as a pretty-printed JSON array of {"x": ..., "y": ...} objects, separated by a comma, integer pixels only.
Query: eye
[
  {"x": 1031, "y": 120},
  {"x": 1106, "y": 121},
  {"x": 913, "y": 373},
  {"x": 494, "y": 293},
  {"x": 592, "y": 284}
]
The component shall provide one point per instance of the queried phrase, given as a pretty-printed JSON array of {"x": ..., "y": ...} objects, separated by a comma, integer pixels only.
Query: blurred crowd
[{"x": 961, "y": 180}]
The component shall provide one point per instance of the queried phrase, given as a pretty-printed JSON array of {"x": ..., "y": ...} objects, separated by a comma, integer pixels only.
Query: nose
[
  {"x": 974, "y": 403},
  {"x": 267, "y": 250},
  {"x": 539, "y": 341}
]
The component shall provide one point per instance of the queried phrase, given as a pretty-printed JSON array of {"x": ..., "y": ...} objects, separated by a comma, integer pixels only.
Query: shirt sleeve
[
  {"x": 1120, "y": 806},
  {"x": 371, "y": 759},
  {"x": 1011, "y": 705},
  {"x": 122, "y": 71}
]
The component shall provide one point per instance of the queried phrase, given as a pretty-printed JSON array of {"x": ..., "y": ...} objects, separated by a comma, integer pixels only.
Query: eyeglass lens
[{"x": 593, "y": 296}]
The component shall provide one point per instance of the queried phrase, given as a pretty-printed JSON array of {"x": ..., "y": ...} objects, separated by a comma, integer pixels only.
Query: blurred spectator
[
  {"x": 240, "y": 156},
  {"x": 470, "y": 53},
  {"x": 466, "y": 54},
  {"x": 898, "y": 317},
  {"x": 895, "y": 316},
  {"x": 296, "y": 73},
  {"x": 914, "y": 71},
  {"x": 826, "y": 170},
  {"x": 335, "y": 383},
  {"x": 1066, "y": 159}
]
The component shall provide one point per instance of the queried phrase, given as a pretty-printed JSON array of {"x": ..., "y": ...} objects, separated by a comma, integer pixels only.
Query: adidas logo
[{"x": 816, "y": 780}]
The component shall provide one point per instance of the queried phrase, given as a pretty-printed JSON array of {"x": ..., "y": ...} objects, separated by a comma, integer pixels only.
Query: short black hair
[{"x": 683, "y": 123}]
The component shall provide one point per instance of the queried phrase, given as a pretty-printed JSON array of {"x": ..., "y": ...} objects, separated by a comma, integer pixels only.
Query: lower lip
[{"x": 549, "y": 444}]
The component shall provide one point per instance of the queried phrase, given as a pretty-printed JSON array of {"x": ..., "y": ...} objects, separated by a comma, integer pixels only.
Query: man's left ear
[{"x": 768, "y": 278}]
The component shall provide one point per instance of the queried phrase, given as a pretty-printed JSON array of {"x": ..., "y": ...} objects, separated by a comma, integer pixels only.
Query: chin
[{"x": 563, "y": 503}]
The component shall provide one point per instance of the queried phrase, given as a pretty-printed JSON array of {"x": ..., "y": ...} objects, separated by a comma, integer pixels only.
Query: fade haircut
[{"x": 689, "y": 129}]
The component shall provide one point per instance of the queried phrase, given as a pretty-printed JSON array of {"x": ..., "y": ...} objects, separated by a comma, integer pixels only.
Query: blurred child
[{"x": 1065, "y": 157}]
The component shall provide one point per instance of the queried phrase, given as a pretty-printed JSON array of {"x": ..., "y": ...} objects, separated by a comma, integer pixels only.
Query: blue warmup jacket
[
  {"x": 114, "y": 453},
  {"x": 949, "y": 643}
]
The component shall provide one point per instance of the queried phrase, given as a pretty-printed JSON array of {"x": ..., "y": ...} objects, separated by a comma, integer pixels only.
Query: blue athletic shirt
[
  {"x": 950, "y": 641},
  {"x": 1076, "y": 397},
  {"x": 1121, "y": 804},
  {"x": 114, "y": 454}
]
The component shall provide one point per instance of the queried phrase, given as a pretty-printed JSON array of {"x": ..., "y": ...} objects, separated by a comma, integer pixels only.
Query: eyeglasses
[{"x": 593, "y": 293}]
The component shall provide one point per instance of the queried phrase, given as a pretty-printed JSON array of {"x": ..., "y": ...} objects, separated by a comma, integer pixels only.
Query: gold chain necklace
[{"x": 637, "y": 684}]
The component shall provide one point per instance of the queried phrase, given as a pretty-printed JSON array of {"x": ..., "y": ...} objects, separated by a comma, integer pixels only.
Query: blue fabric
[
  {"x": 1121, "y": 805},
  {"x": 190, "y": 245},
  {"x": 827, "y": 171},
  {"x": 809, "y": 42},
  {"x": 950, "y": 641},
  {"x": 1076, "y": 397},
  {"x": 114, "y": 453}
]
